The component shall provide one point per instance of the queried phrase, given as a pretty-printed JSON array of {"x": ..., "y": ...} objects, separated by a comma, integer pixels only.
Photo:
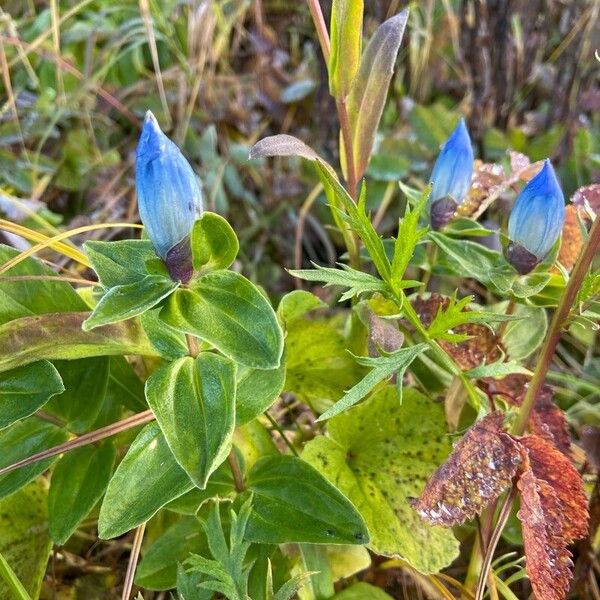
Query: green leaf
[
  {"x": 362, "y": 591},
  {"x": 123, "y": 302},
  {"x": 497, "y": 369},
  {"x": 357, "y": 282},
  {"x": 318, "y": 367},
  {"x": 214, "y": 243},
  {"x": 78, "y": 481},
  {"x": 33, "y": 297},
  {"x": 24, "y": 541},
  {"x": 145, "y": 480},
  {"x": 120, "y": 263},
  {"x": 124, "y": 386},
  {"x": 59, "y": 336},
  {"x": 521, "y": 338},
  {"x": 293, "y": 502},
  {"x": 158, "y": 568},
  {"x": 346, "y": 41},
  {"x": 529, "y": 285},
  {"x": 381, "y": 453},
  {"x": 296, "y": 304},
  {"x": 85, "y": 384},
  {"x": 370, "y": 87},
  {"x": 469, "y": 259},
  {"x": 229, "y": 312},
  {"x": 26, "y": 389},
  {"x": 194, "y": 403},
  {"x": 20, "y": 440},
  {"x": 409, "y": 234},
  {"x": 383, "y": 368},
  {"x": 257, "y": 389},
  {"x": 453, "y": 315},
  {"x": 169, "y": 342}
]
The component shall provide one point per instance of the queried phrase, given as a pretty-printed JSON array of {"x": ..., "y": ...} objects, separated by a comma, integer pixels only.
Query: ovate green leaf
[
  {"x": 381, "y": 453},
  {"x": 78, "y": 481},
  {"x": 25, "y": 389},
  {"x": 228, "y": 311},
  {"x": 145, "y": 480},
  {"x": 194, "y": 404},
  {"x": 293, "y": 502},
  {"x": 214, "y": 243}
]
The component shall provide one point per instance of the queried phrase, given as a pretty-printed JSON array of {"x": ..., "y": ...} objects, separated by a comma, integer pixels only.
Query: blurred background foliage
[{"x": 77, "y": 77}]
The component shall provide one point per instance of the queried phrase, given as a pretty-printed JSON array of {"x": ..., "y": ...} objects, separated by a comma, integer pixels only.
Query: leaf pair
[{"x": 553, "y": 504}]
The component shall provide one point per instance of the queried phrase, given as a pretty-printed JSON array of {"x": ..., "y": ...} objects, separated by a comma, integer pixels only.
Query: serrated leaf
[
  {"x": 293, "y": 502},
  {"x": 357, "y": 282},
  {"x": 20, "y": 440},
  {"x": 554, "y": 513},
  {"x": 383, "y": 367},
  {"x": 147, "y": 478},
  {"x": 409, "y": 234},
  {"x": 480, "y": 467},
  {"x": 214, "y": 243},
  {"x": 228, "y": 311},
  {"x": 380, "y": 453},
  {"x": 123, "y": 302},
  {"x": 370, "y": 87},
  {"x": 158, "y": 568},
  {"x": 194, "y": 404},
  {"x": 78, "y": 481},
  {"x": 318, "y": 367},
  {"x": 26, "y": 389}
]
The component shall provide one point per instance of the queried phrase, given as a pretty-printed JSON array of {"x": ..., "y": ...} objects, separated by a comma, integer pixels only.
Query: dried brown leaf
[
  {"x": 488, "y": 178},
  {"x": 553, "y": 514},
  {"x": 547, "y": 558},
  {"x": 590, "y": 442},
  {"x": 553, "y": 467},
  {"x": 589, "y": 194},
  {"x": 480, "y": 467},
  {"x": 547, "y": 420},
  {"x": 571, "y": 241},
  {"x": 522, "y": 168}
]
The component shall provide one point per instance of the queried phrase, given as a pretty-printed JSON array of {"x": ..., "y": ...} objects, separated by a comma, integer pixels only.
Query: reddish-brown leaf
[
  {"x": 488, "y": 178},
  {"x": 480, "y": 467},
  {"x": 571, "y": 240},
  {"x": 547, "y": 558},
  {"x": 590, "y": 195},
  {"x": 483, "y": 347},
  {"x": 552, "y": 466},
  {"x": 546, "y": 420},
  {"x": 553, "y": 514}
]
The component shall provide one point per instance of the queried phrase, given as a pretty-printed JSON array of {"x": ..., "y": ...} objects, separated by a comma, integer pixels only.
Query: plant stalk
[
  {"x": 133, "y": 560},
  {"x": 88, "y": 438},
  {"x": 555, "y": 331}
]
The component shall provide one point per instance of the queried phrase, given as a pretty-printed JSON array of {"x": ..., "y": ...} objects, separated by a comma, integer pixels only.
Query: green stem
[
  {"x": 446, "y": 360},
  {"x": 558, "y": 320}
]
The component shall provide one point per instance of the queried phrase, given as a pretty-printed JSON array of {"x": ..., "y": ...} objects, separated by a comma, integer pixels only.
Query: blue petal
[
  {"x": 453, "y": 169},
  {"x": 538, "y": 214},
  {"x": 168, "y": 192}
]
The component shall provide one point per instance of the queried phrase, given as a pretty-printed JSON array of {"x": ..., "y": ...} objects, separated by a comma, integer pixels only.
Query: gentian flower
[
  {"x": 536, "y": 220},
  {"x": 169, "y": 197},
  {"x": 451, "y": 176}
]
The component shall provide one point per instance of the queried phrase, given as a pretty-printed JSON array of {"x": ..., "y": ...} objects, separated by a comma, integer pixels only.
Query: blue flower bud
[
  {"x": 169, "y": 197},
  {"x": 451, "y": 176},
  {"x": 536, "y": 220}
]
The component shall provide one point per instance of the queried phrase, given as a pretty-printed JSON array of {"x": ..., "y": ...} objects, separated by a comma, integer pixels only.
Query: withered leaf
[
  {"x": 571, "y": 241},
  {"x": 553, "y": 514},
  {"x": 483, "y": 347},
  {"x": 547, "y": 420},
  {"x": 488, "y": 179},
  {"x": 588, "y": 194},
  {"x": 480, "y": 467},
  {"x": 552, "y": 466},
  {"x": 590, "y": 442},
  {"x": 547, "y": 558}
]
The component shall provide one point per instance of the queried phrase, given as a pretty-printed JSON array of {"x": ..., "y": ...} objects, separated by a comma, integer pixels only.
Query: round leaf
[{"x": 214, "y": 243}]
